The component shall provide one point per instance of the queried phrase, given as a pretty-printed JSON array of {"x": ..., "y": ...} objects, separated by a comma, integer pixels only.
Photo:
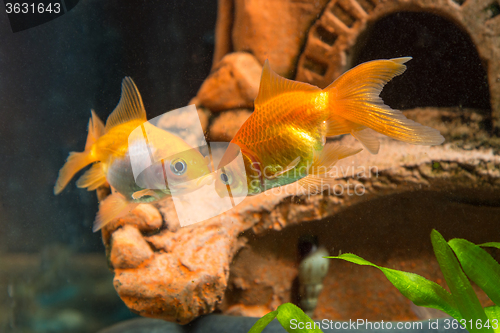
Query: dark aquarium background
[
  {"x": 54, "y": 74},
  {"x": 51, "y": 76}
]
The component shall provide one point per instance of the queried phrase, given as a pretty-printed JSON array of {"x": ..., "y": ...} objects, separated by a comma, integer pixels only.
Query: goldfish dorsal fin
[
  {"x": 272, "y": 85},
  {"x": 130, "y": 106}
]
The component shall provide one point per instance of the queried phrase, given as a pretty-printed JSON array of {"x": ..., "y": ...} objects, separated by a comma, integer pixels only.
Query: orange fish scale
[{"x": 288, "y": 124}]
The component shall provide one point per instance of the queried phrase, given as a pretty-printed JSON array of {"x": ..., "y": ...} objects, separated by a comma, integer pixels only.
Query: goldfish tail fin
[
  {"x": 96, "y": 130},
  {"x": 355, "y": 104},
  {"x": 92, "y": 178},
  {"x": 114, "y": 206},
  {"x": 76, "y": 162}
]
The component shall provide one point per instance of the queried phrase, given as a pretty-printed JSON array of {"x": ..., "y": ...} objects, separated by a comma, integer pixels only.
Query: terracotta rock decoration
[
  {"x": 225, "y": 126},
  {"x": 234, "y": 83},
  {"x": 243, "y": 261},
  {"x": 257, "y": 24}
]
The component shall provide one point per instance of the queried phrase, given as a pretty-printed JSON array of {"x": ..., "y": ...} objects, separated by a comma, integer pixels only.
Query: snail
[{"x": 312, "y": 270}]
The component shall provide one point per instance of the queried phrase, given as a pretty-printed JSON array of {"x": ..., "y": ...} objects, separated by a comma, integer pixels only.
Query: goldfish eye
[
  {"x": 226, "y": 178},
  {"x": 178, "y": 166}
]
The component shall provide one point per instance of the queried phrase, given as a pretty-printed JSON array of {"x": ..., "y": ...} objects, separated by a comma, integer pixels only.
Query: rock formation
[{"x": 164, "y": 271}]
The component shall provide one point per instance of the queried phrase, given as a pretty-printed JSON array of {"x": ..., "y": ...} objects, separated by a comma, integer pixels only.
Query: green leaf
[
  {"x": 418, "y": 289},
  {"x": 479, "y": 266},
  {"x": 290, "y": 316},
  {"x": 263, "y": 322},
  {"x": 491, "y": 244},
  {"x": 460, "y": 287},
  {"x": 493, "y": 313}
]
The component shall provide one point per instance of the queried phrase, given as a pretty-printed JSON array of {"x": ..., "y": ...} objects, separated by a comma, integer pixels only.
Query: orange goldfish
[
  {"x": 110, "y": 149},
  {"x": 284, "y": 140}
]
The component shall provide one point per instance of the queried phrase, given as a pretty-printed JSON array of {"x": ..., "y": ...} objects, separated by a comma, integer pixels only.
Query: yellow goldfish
[
  {"x": 284, "y": 140},
  {"x": 110, "y": 148}
]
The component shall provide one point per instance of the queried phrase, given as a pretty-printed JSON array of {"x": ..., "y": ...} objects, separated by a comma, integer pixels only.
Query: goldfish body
[
  {"x": 283, "y": 141},
  {"x": 110, "y": 149}
]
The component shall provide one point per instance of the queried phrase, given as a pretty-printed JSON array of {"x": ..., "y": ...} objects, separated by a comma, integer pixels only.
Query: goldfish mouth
[
  {"x": 205, "y": 180},
  {"x": 188, "y": 187}
]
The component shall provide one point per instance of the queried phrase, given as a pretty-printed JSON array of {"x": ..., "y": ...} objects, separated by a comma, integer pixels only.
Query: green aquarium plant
[
  {"x": 459, "y": 260},
  {"x": 286, "y": 314}
]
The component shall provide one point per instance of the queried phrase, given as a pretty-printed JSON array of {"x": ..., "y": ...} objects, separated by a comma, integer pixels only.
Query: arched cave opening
[{"x": 445, "y": 71}]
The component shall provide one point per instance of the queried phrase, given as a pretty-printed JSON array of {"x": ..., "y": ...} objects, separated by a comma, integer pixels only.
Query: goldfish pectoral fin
[
  {"x": 313, "y": 184},
  {"x": 114, "y": 206},
  {"x": 75, "y": 162},
  {"x": 96, "y": 130},
  {"x": 272, "y": 85},
  {"x": 145, "y": 192},
  {"x": 289, "y": 167},
  {"x": 367, "y": 137},
  {"x": 92, "y": 178},
  {"x": 329, "y": 156},
  {"x": 346, "y": 151},
  {"x": 294, "y": 163},
  {"x": 208, "y": 162},
  {"x": 129, "y": 107},
  {"x": 355, "y": 96}
]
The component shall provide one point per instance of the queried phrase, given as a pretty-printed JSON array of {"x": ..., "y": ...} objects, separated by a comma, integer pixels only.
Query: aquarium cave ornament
[{"x": 155, "y": 172}]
